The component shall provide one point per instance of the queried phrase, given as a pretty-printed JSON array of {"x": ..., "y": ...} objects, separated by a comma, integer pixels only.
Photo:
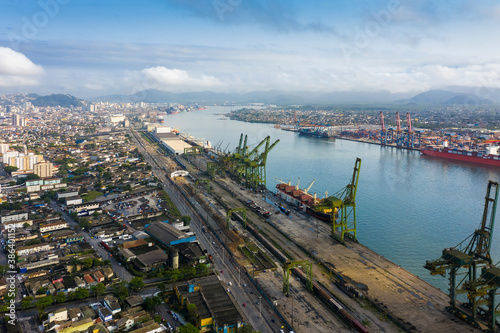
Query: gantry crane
[
  {"x": 291, "y": 264},
  {"x": 248, "y": 166},
  {"x": 383, "y": 132},
  {"x": 234, "y": 210},
  {"x": 466, "y": 260},
  {"x": 346, "y": 203}
]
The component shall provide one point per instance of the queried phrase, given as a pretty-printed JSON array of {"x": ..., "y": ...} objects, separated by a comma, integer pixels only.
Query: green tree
[
  {"x": 41, "y": 291},
  {"x": 96, "y": 262},
  {"x": 188, "y": 328},
  {"x": 43, "y": 302},
  {"x": 192, "y": 313},
  {"x": 136, "y": 283},
  {"x": 60, "y": 297},
  {"x": 26, "y": 302},
  {"x": 87, "y": 263},
  {"x": 71, "y": 295},
  {"x": 81, "y": 293},
  {"x": 120, "y": 291},
  {"x": 32, "y": 176},
  {"x": 98, "y": 289},
  {"x": 186, "y": 219},
  {"x": 10, "y": 169},
  {"x": 150, "y": 303}
]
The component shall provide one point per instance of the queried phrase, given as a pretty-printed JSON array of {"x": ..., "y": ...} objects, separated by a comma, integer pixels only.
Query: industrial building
[
  {"x": 167, "y": 234},
  {"x": 175, "y": 146},
  {"x": 215, "y": 309}
]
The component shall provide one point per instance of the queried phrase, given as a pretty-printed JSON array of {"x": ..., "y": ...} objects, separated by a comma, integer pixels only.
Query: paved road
[{"x": 119, "y": 270}]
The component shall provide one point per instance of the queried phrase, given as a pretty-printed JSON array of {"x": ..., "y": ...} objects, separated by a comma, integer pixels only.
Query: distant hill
[
  {"x": 63, "y": 100},
  {"x": 445, "y": 97},
  {"x": 269, "y": 97}
]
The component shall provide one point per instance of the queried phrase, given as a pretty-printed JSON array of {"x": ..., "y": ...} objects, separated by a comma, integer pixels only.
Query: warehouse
[{"x": 175, "y": 146}]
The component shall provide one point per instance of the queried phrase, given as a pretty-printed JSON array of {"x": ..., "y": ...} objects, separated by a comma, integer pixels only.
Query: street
[{"x": 119, "y": 270}]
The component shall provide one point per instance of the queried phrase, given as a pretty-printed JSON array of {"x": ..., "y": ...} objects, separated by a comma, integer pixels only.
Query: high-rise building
[
  {"x": 43, "y": 169},
  {"x": 16, "y": 119},
  {"x": 4, "y": 147}
]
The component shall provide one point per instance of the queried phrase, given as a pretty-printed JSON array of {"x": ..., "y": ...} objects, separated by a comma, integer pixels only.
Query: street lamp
[{"x": 260, "y": 306}]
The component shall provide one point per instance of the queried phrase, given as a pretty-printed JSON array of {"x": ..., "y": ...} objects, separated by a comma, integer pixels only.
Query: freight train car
[{"x": 317, "y": 288}]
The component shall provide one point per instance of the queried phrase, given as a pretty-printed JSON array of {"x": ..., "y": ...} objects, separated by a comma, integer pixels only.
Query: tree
[
  {"x": 120, "y": 291},
  {"x": 98, "y": 289},
  {"x": 188, "y": 328},
  {"x": 87, "y": 263},
  {"x": 136, "y": 283},
  {"x": 186, "y": 219},
  {"x": 192, "y": 313},
  {"x": 10, "y": 169},
  {"x": 150, "y": 303},
  {"x": 81, "y": 293},
  {"x": 32, "y": 176},
  {"x": 60, "y": 297},
  {"x": 43, "y": 302},
  {"x": 41, "y": 291},
  {"x": 26, "y": 302}
]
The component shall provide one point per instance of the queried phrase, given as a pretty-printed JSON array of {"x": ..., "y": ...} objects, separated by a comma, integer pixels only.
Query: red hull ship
[
  {"x": 489, "y": 156},
  {"x": 319, "y": 208}
]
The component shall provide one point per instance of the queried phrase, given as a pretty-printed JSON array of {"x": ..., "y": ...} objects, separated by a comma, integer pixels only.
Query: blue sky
[{"x": 93, "y": 48}]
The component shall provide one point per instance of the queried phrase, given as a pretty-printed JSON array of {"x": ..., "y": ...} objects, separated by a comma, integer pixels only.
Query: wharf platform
[{"x": 420, "y": 306}]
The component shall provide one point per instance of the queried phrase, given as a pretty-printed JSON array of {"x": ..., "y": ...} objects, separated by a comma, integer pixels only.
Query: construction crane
[
  {"x": 346, "y": 203},
  {"x": 466, "y": 260}
]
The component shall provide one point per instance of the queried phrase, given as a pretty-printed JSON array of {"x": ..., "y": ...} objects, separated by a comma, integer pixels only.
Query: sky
[{"x": 93, "y": 48}]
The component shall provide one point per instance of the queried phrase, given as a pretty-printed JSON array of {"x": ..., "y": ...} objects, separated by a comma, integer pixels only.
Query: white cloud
[
  {"x": 15, "y": 63},
  {"x": 176, "y": 79},
  {"x": 17, "y": 70}
]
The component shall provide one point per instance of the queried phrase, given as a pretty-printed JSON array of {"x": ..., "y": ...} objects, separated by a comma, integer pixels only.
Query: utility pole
[{"x": 260, "y": 306}]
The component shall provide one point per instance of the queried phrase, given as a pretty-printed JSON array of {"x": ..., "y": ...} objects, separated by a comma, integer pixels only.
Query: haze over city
[{"x": 94, "y": 48}]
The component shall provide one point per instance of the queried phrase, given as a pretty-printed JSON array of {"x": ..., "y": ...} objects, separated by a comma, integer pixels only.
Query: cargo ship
[
  {"x": 322, "y": 209},
  {"x": 487, "y": 156},
  {"x": 317, "y": 133}
]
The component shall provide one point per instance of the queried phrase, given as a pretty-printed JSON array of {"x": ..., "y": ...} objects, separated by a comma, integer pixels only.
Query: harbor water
[{"x": 409, "y": 207}]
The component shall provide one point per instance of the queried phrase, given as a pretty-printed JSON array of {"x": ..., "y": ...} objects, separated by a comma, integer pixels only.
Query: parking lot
[{"x": 133, "y": 204}]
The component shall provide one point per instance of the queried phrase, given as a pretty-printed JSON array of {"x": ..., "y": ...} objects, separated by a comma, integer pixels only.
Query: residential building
[
  {"x": 112, "y": 304},
  {"x": 43, "y": 169},
  {"x": 60, "y": 314},
  {"x": 14, "y": 216},
  {"x": 53, "y": 226},
  {"x": 30, "y": 249}
]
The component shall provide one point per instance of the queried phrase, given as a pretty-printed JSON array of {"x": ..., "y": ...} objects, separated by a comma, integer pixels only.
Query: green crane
[
  {"x": 291, "y": 264},
  {"x": 345, "y": 202},
  {"x": 234, "y": 210},
  {"x": 466, "y": 260}
]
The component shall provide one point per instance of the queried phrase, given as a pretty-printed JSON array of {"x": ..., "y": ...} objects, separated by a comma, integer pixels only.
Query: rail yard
[{"x": 354, "y": 288}]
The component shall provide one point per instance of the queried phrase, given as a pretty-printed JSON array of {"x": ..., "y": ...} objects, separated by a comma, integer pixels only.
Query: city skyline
[{"x": 92, "y": 48}]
